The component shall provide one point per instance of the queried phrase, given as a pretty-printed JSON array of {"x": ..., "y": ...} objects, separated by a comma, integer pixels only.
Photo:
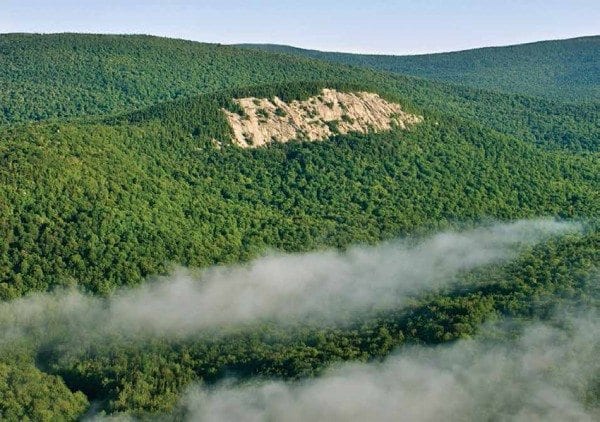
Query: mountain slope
[
  {"x": 109, "y": 203},
  {"x": 567, "y": 70},
  {"x": 105, "y": 204},
  {"x": 63, "y": 75},
  {"x": 69, "y": 75},
  {"x": 118, "y": 180}
]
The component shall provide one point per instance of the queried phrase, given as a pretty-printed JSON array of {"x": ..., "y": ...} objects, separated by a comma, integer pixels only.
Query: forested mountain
[
  {"x": 565, "y": 70},
  {"x": 138, "y": 182},
  {"x": 116, "y": 167},
  {"x": 67, "y": 75},
  {"x": 74, "y": 75}
]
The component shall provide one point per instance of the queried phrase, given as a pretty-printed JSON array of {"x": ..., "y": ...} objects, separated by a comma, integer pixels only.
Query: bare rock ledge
[{"x": 272, "y": 120}]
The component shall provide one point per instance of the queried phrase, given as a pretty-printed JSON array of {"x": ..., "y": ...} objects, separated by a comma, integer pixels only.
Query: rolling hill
[
  {"x": 75, "y": 75},
  {"x": 564, "y": 70},
  {"x": 118, "y": 163},
  {"x": 139, "y": 181}
]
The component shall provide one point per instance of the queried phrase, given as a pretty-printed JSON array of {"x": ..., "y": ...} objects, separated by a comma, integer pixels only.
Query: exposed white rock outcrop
[{"x": 332, "y": 112}]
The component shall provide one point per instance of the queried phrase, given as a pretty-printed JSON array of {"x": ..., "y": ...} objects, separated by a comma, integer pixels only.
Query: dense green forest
[
  {"x": 108, "y": 178},
  {"x": 68, "y": 75},
  {"x": 564, "y": 70},
  {"x": 109, "y": 203}
]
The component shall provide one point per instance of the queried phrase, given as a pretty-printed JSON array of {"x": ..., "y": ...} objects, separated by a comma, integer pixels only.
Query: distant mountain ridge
[
  {"x": 81, "y": 75},
  {"x": 566, "y": 70}
]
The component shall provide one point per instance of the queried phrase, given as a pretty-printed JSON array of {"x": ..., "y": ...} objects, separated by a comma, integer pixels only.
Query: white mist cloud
[
  {"x": 543, "y": 375},
  {"x": 323, "y": 286}
]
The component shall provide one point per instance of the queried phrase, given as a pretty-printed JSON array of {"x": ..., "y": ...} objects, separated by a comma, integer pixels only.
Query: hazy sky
[{"x": 377, "y": 26}]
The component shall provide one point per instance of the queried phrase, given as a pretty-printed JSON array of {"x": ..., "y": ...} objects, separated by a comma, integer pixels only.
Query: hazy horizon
[{"x": 379, "y": 27}]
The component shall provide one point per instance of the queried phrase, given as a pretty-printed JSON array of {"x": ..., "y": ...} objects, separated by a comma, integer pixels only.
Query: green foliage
[
  {"x": 27, "y": 394},
  {"x": 148, "y": 377},
  {"x": 65, "y": 75},
  {"x": 62, "y": 75},
  {"x": 347, "y": 119},
  {"x": 564, "y": 70},
  {"x": 137, "y": 183},
  {"x": 106, "y": 205},
  {"x": 261, "y": 112},
  {"x": 333, "y": 126}
]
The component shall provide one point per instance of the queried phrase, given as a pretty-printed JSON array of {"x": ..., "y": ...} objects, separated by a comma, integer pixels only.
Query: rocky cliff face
[{"x": 272, "y": 120}]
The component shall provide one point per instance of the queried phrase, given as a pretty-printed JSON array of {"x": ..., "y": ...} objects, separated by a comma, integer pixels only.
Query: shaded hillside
[{"x": 567, "y": 70}]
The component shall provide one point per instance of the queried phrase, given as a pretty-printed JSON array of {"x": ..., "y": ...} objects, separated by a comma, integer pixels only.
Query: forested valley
[{"x": 118, "y": 170}]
